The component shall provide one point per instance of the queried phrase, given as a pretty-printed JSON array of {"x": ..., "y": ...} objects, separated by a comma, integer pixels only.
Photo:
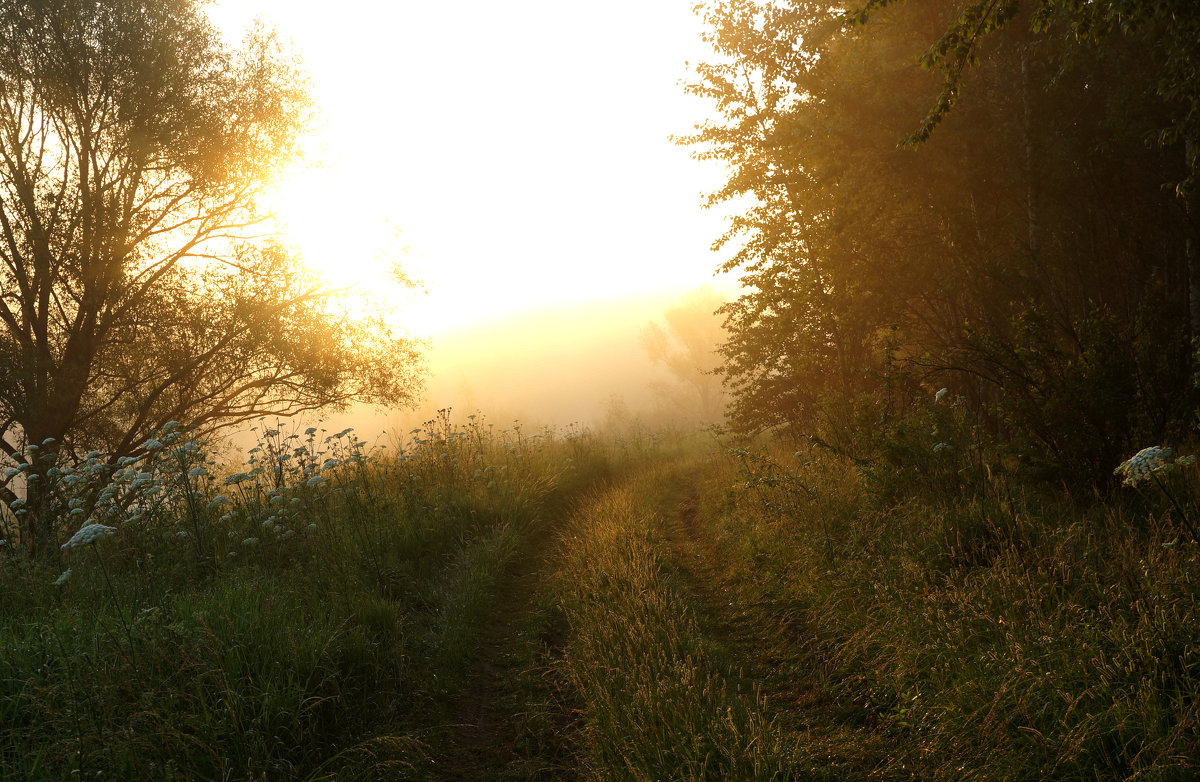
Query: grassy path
[
  {"x": 506, "y": 723},
  {"x": 628, "y": 639},
  {"x": 762, "y": 636},
  {"x": 658, "y": 696}
]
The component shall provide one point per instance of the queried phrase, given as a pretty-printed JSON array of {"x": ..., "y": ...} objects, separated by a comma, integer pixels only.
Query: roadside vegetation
[
  {"x": 311, "y": 614},
  {"x": 500, "y": 604}
]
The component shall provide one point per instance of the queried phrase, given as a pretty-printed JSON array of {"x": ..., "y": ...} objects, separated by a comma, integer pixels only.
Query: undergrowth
[
  {"x": 990, "y": 628},
  {"x": 895, "y": 600},
  {"x": 307, "y": 615}
]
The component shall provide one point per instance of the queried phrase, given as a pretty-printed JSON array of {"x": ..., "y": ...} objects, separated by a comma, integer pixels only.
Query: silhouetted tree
[
  {"x": 134, "y": 148},
  {"x": 1027, "y": 253}
]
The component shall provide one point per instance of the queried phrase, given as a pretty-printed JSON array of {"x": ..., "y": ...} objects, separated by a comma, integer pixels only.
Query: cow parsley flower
[
  {"x": 1143, "y": 464},
  {"x": 88, "y": 534},
  {"x": 941, "y": 394},
  {"x": 66, "y": 574}
]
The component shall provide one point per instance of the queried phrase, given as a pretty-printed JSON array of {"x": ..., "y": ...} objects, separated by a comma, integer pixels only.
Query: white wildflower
[
  {"x": 1143, "y": 464},
  {"x": 152, "y": 444},
  {"x": 939, "y": 447},
  {"x": 66, "y": 574},
  {"x": 316, "y": 480},
  {"x": 250, "y": 542},
  {"x": 238, "y": 477},
  {"x": 89, "y": 533},
  {"x": 196, "y": 472},
  {"x": 941, "y": 394}
]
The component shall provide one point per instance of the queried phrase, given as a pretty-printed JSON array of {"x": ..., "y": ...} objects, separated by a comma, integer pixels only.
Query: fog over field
[{"x": 583, "y": 364}]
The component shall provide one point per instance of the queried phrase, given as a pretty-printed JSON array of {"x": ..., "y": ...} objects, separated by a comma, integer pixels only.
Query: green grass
[
  {"x": 507, "y": 605},
  {"x": 334, "y": 648},
  {"x": 1002, "y": 634},
  {"x": 657, "y": 700}
]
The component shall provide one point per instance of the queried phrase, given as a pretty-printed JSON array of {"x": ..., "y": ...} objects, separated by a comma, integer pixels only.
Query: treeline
[{"x": 997, "y": 198}]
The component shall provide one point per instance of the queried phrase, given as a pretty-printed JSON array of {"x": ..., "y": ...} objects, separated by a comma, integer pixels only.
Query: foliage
[
  {"x": 1172, "y": 27},
  {"x": 135, "y": 146},
  {"x": 1027, "y": 255}
]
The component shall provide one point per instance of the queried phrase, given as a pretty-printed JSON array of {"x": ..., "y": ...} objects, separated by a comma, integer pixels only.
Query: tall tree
[
  {"x": 135, "y": 147},
  {"x": 1018, "y": 252}
]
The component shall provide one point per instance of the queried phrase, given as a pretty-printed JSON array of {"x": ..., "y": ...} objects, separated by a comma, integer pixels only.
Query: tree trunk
[
  {"x": 1191, "y": 246},
  {"x": 1031, "y": 175}
]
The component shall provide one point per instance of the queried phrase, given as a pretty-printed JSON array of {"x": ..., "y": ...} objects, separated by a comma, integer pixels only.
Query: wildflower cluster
[
  {"x": 174, "y": 487},
  {"x": 1148, "y": 462},
  {"x": 88, "y": 534},
  {"x": 288, "y": 480}
]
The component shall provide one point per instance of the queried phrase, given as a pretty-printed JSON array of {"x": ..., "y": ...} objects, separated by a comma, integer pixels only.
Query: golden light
[{"x": 509, "y": 157}]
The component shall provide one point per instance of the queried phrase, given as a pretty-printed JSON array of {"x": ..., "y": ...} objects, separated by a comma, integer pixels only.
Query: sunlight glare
[{"x": 508, "y": 157}]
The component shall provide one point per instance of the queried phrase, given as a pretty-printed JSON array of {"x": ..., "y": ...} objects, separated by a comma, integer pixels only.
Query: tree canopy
[
  {"x": 137, "y": 285},
  {"x": 1032, "y": 253}
]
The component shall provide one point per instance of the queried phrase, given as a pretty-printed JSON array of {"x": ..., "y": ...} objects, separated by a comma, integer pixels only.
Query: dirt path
[
  {"x": 508, "y": 723},
  {"x": 763, "y": 636},
  {"x": 769, "y": 645}
]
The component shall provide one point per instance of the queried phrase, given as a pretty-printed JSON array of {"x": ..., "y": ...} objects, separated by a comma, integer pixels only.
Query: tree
[
  {"x": 1168, "y": 29},
  {"x": 1026, "y": 254},
  {"x": 135, "y": 147},
  {"x": 687, "y": 348}
]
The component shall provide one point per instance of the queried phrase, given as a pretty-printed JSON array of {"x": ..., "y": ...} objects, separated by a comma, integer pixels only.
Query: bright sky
[{"x": 519, "y": 148}]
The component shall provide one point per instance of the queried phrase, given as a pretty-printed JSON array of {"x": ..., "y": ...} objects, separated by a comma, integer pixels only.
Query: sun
[
  {"x": 525, "y": 154},
  {"x": 338, "y": 224}
]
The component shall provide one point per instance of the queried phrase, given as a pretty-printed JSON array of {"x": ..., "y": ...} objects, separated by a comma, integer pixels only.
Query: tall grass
[
  {"x": 657, "y": 700},
  {"x": 306, "y": 615},
  {"x": 991, "y": 630}
]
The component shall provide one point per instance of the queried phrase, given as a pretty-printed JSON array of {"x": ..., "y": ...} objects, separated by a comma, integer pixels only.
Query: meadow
[{"x": 481, "y": 602}]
